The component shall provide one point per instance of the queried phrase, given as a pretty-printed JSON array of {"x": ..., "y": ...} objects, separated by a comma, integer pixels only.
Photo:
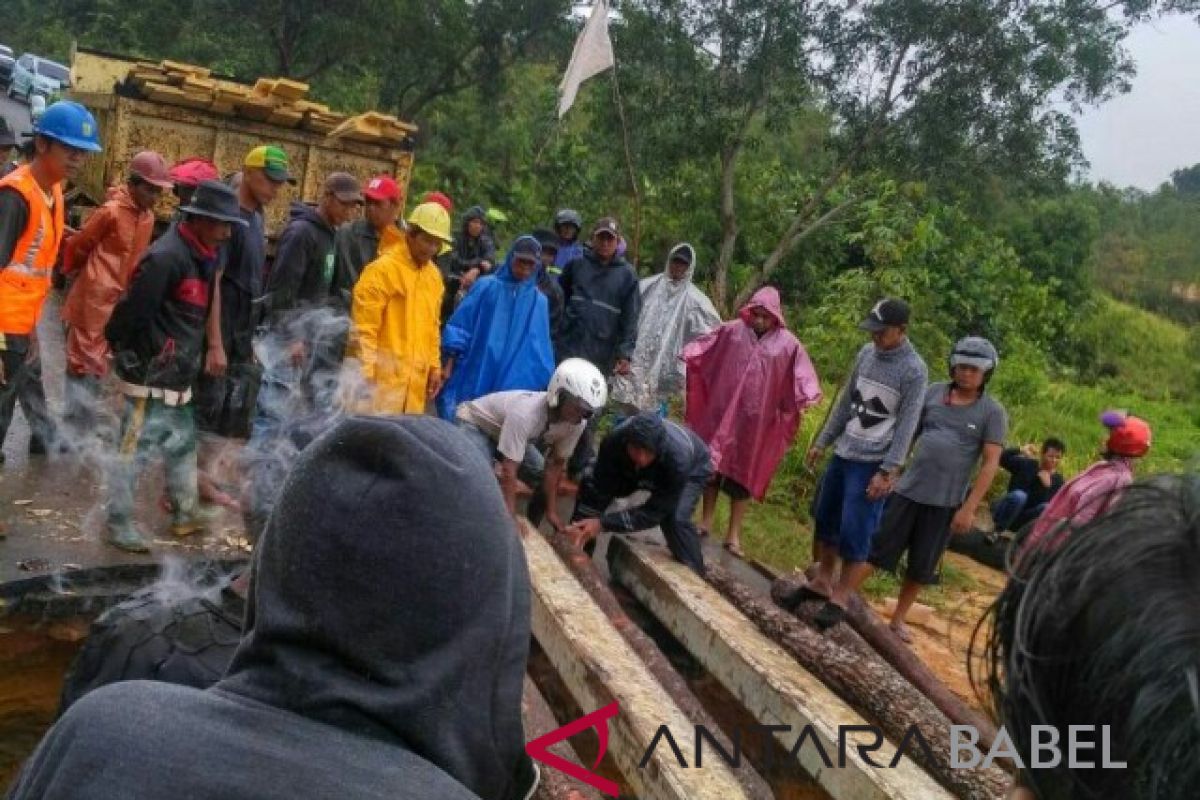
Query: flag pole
[{"x": 633, "y": 183}]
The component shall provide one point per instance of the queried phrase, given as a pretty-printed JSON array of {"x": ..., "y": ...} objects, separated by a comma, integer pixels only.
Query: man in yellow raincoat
[{"x": 395, "y": 312}]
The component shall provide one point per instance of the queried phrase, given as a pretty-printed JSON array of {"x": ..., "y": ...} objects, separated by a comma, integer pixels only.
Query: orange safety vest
[{"x": 25, "y": 280}]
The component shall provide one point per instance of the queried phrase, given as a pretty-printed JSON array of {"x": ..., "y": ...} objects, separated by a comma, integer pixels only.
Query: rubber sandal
[
  {"x": 829, "y": 615},
  {"x": 902, "y": 632}
]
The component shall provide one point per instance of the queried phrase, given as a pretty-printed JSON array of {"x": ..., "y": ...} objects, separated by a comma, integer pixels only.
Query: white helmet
[{"x": 581, "y": 380}]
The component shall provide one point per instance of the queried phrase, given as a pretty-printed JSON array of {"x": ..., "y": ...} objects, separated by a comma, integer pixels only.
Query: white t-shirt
[{"x": 517, "y": 419}]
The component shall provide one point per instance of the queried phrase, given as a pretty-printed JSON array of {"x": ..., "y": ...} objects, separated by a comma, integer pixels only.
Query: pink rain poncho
[{"x": 746, "y": 395}]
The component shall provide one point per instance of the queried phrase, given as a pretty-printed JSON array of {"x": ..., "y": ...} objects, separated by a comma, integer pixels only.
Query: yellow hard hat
[{"x": 434, "y": 220}]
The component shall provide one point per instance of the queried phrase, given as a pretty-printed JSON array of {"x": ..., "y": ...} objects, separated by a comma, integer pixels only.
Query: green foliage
[{"x": 1149, "y": 250}]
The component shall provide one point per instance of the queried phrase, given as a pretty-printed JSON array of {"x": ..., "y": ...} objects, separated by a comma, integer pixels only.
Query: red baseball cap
[
  {"x": 192, "y": 171},
  {"x": 441, "y": 199},
  {"x": 152, "y": 168},
  {"x": 1128, "y": 436},
  {"x": 382, "y": 187}
]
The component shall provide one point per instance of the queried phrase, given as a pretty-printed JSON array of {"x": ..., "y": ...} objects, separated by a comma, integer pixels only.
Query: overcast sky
[{"x": 1139, "y": 138}]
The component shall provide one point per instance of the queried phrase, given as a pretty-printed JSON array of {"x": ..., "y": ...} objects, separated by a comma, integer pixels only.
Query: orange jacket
[
  {"x": 106, "y": 250},
  {"x": 25, "y": 282}
]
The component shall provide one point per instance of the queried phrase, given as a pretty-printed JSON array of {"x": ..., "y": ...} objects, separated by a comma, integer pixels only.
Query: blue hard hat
[{"x": 71, "y": 124}]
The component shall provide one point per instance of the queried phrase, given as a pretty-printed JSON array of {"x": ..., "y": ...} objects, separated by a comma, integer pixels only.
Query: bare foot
[
  {"x": 735, "y": 549},
  {"x": 902, "y": 632}
]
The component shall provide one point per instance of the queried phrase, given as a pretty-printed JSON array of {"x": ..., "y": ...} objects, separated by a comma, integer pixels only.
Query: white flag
[{"x": 593, "y": 54}]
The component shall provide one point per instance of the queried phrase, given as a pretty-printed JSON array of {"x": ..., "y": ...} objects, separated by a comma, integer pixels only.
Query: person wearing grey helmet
[{"x": 567, "y": 225}]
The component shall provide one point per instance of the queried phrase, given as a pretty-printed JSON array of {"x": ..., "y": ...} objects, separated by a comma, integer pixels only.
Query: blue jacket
[
  {"x": 567, "y": 252},
  {"x": 499, "y": 338}
]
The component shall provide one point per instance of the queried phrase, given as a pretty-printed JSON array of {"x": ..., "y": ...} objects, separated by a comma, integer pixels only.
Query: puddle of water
[{"x": 32, "y": 666}]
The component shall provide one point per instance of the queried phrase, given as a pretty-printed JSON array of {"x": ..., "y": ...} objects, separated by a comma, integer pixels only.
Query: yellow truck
[{"x": 182, "y": 110}]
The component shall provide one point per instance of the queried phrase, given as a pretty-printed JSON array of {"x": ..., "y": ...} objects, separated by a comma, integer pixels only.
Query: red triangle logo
[{"x": 539, "y": 750}]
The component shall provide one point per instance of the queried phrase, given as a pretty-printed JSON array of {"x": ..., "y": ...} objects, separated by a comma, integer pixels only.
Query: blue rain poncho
[{"x": 499, "y": 337}]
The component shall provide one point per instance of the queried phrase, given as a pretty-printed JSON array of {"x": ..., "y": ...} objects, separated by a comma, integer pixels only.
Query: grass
[
  {"x": 1151, "y": 370},
  {"x": 776, "y": 536}
]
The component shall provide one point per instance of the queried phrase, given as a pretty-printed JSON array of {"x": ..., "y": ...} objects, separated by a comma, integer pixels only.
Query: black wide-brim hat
[{"x": 215, "y": 200}]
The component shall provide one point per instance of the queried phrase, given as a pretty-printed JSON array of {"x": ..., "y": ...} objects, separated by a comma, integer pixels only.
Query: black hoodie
[
  {"x": 679, "y": 456},
  {"x": 303, "y": 271},
  {"x": 384, "y": 652}
]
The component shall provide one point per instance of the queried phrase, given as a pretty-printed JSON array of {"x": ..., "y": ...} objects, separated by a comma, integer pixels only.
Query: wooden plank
[
  {"x": 289, "y": 89},
  {"x": 597, "y": 586},
  {"x": 766, "y": 679},
  {"x": 598, "y": 668},
  {"x": 188, "y": 69},
  {"x": 263, "y": 87},
  {"x": 194, "y": 83}
]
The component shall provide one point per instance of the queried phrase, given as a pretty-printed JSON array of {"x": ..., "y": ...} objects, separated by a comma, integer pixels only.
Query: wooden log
[
  {"x": 599, "y": 668},
  {"x": 584, "y": 570},
  {"x": 765, "y": 678},
  {"x": 878, "y": 639},
  {"x": 862, "y": 678},
  {"x": 539, "y": 720}
]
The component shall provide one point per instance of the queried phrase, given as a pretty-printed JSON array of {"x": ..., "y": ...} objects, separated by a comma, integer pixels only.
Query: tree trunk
[
  {"x": 729, "y": 228},
  {"x": 581, "y": 566},
  {"x": 877, "y": 638},
  {"x": 868, "y": 683}
]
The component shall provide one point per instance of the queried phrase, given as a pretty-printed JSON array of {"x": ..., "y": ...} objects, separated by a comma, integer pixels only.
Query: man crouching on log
[{"x": 646, "y": 452}]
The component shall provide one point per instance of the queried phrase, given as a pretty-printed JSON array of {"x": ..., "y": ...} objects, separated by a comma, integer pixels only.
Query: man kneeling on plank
[{"x": 646, "y": 452}]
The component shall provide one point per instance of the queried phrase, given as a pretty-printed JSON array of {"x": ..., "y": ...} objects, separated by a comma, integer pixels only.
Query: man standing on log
[
  {"x": 749, "y": 383},
  {"x": 871, "y": 428},
  {"x": 646, "y": 452},
  {"x": 959, "y": 424}
]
